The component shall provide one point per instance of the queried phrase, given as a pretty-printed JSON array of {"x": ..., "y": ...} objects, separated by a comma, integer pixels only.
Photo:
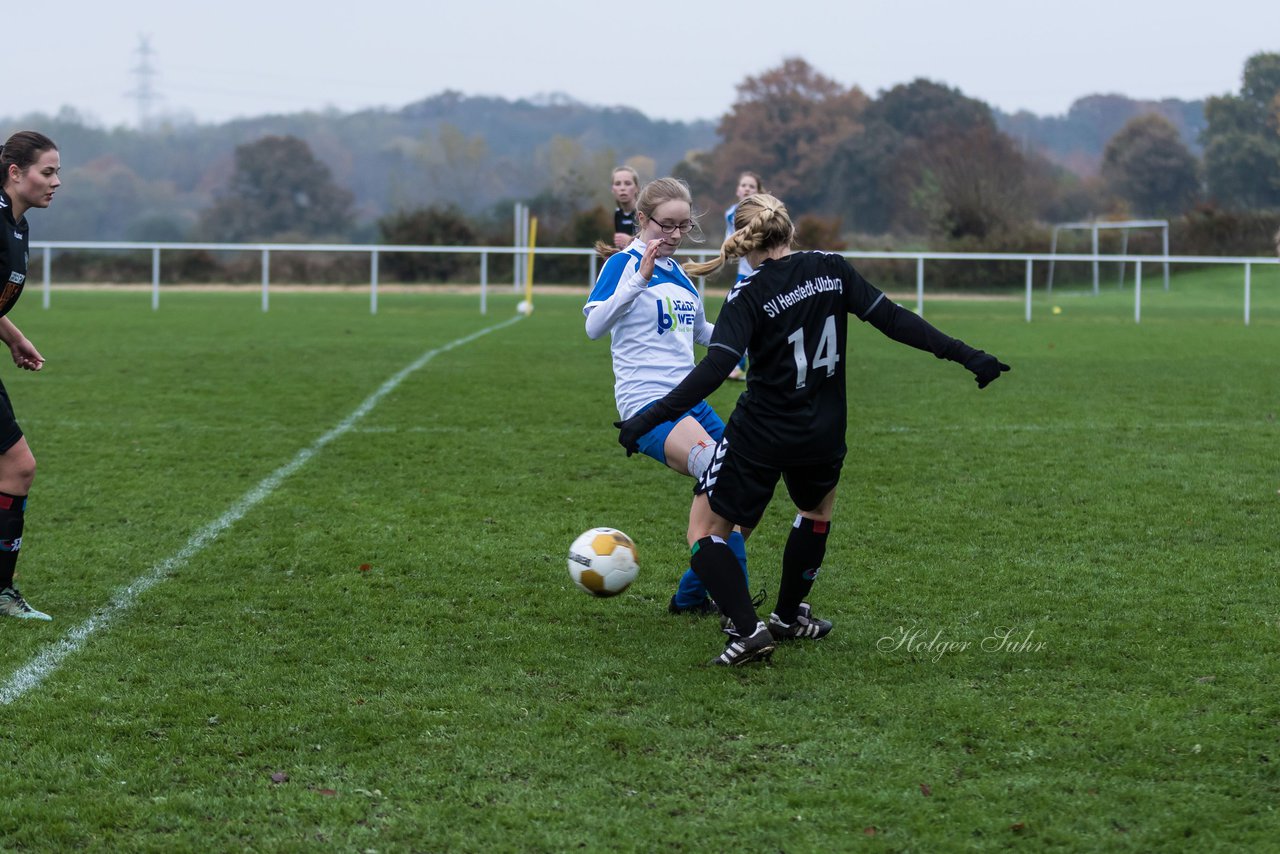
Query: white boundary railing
[{"x": 521, "y": 257}]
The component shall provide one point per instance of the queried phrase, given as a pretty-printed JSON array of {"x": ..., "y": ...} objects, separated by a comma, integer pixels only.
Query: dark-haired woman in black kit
[{"x": 30, "y": 166}]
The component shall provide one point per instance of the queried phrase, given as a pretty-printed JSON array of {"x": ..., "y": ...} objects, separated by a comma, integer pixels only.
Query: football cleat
[
  {"x": 739, "y": 650},
  {"x": 805, "y": 625},
  {"x": 13, "y": 605},
  {"x": 707, "y": 607},
  {"x": 726, "y": 624}
]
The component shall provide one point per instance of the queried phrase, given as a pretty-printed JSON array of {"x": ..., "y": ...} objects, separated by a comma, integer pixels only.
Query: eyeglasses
[{"x": 671, "y": 228}]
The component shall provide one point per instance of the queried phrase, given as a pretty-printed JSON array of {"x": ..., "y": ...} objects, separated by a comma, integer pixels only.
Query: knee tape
[{"x": 700, "y": 456}]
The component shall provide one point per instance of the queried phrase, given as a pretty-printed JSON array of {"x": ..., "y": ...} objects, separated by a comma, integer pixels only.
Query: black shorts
[
  {"x": 10, "y": 432},
  {"x": 740, "y": 489}
]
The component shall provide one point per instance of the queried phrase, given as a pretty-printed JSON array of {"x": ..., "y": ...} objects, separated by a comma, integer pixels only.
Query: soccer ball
[
  {"x": 525, "y": 307},
  {"x": 602, "y": 562}
]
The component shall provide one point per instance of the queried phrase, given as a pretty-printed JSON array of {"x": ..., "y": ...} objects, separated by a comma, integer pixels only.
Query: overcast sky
[{"x": 682, "y": 60}]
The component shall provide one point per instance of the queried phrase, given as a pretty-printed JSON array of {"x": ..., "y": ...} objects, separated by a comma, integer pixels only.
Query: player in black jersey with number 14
[
  {"x": 792, "y": 314},
  {"x": 30, "y": 165}
]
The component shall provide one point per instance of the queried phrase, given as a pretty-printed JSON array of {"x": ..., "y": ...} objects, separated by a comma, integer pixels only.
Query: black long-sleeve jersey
[
  {"x": 792, "y": 314},
  {"x": 624, "y": 222},
  {"x": 13, "y": 255}
]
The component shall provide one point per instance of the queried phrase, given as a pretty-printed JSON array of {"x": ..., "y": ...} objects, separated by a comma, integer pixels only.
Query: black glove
[
  {"x": 986, "y": 368},
  {"x": 628, "y": 435},
  {"x": 631, "y": 431}
]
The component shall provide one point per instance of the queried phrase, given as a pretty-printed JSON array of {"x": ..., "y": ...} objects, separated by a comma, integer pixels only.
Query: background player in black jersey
[
  {"x": 30, "y": 165},
  {"x": 792, "y": 313},
  {"x": 626, "y": 188}
]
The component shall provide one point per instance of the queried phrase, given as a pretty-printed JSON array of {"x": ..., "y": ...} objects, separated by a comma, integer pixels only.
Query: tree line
[
  {"x": 920, "y": 164},
  {"x": 924, "y": 159}
]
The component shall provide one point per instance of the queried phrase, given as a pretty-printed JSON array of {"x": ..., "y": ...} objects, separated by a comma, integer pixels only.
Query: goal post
[{"x": 1125, "y": 226}]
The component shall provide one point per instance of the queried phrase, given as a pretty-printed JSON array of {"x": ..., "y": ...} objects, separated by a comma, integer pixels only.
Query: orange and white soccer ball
[{"x": 603, "y": 561}]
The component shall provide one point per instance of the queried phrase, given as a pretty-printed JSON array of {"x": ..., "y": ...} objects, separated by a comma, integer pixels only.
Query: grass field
[{"x": 308, "y": 599}]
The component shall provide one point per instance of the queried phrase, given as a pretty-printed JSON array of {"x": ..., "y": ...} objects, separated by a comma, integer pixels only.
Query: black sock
[
  {"x": 713, "y": 562},
  {"x": 801, "y": 560},
  {"x": 11, "y": 517}
]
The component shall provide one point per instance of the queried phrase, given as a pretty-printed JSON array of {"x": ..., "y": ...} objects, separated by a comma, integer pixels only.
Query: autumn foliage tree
[
  {"x": 980, "y": 181},
  {"x": 785, "y": 126}
]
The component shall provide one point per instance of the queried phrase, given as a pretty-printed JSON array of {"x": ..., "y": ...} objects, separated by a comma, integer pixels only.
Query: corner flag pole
[{"x": 528, "y": 279}]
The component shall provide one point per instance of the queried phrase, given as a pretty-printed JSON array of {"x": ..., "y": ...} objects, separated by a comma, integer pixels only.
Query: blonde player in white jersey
[{"x": 655, "y": 315}]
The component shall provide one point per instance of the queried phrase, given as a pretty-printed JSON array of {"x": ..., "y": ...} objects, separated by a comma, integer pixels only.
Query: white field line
[{"x": 35, "y": 671}]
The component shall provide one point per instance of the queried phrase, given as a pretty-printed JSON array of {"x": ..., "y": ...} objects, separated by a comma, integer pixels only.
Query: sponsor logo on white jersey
[{"x": 676, "y": 313}]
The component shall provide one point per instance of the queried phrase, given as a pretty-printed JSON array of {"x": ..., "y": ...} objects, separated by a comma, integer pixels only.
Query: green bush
[
  {"x": 1208, "y": 230},
  {"x": 124, "y": 267},
  {"x": 443, "y": 225}
]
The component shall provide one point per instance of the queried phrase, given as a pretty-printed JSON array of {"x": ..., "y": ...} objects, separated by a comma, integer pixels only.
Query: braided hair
[{"x": 760, "y": 223}]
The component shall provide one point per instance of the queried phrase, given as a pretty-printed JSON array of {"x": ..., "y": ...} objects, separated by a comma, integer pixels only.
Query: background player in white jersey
[
  {"x": 30, "y": 165},
  {"x": 749, "y": 183},
  {"x": 792, "y": 311},
  {"x": 654, "y": 315}
]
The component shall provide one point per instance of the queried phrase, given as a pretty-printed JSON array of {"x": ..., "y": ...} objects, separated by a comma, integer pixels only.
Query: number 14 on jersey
[{"x": 827, "y": 356}]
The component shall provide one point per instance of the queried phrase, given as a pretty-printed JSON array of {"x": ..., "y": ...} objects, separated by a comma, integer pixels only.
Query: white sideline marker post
[{"x": 37, "y": 669}]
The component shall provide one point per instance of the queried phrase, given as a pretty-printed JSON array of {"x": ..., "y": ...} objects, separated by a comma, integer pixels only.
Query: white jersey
[
  {"x": 744, "y": 268},
  {"x": 653, "y": 326}
]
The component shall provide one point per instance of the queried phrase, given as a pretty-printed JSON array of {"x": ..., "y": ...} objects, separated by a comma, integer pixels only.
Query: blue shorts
[{"x": 651, "y": 443}]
